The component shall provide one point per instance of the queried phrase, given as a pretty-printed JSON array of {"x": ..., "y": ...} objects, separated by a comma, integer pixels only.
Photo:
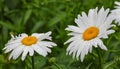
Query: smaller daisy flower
[
  {"x": 89, "y": 32},
  {"x": 116, "y": 13},
  {"x": 24, "y": 44}
]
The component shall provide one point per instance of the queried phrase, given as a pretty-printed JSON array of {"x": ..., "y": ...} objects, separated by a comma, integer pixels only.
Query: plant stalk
[
  {"x": 100, "y": 59},
  {"x": 33, "y": 65},
  {"x": 57, "y": 66}
]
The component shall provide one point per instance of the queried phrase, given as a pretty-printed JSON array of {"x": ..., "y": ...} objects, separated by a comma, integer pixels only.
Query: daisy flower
[
  {"x": 88, "y": 32},
  {"x": 24, "y": 44},
  {"x": 116, "y": 13}
]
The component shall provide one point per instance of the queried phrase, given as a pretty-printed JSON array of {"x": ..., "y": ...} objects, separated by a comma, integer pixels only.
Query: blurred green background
[{"x": 30, "y": 16}]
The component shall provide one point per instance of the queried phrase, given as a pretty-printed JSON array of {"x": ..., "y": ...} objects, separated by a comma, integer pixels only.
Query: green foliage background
[{"x": 30, "y": 16}]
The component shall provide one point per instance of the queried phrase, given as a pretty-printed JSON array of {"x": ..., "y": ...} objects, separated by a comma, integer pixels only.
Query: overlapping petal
[
  {"x": 17, "y": 48},
  {"x": 79, "y": 47}
]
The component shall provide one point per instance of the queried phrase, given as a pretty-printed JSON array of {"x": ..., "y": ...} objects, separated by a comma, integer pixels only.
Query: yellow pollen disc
[
  {"x": 29, "y": 40},
  {"x": 90, "y": 33}
]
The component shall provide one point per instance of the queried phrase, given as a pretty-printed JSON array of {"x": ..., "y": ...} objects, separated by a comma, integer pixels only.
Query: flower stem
[
  {"x": 33, "y": 65},
  {"x": 57, "y": 66},
  {"x": 100, "y": 58}
]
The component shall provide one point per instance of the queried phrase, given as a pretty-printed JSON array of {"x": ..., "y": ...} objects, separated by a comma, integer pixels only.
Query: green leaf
[
  {"x": 26, "y": 16},
  {"x": 88, "y": 67},
  {"x": 58, "y": 18},
  {"x": 107, "y": 65},
  {"x": 36, "y": 26},
  {"x": 8, "y": 25},
  {"x": 2, "y": 59}
]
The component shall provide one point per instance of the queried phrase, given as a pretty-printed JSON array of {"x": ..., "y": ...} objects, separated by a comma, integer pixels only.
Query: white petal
[
  {"x": 31, "y": 51},
  {"x": 71, "y": 39},
  {"x": 25, "y": 52},
  {"x": 17, "y": 52},
  {"x": 102, "y": 18},
  {"x": 79, "y": 50},
  {"x": 80, "y": 22},
  {"x": 82, "y": 56},
  {"x": 23, "y": 35},
  {"x": 101, "y": 45},
  {"x": 90, "y": 48},
  {"x": 87, "y": 46},
  {"x": 11, "y": 55},
  {"x": 91, "y": 17},
  {"x": 11, "y": 47},
  {"x": 43, "y": 35},
  {"x": 84, "y": 52},
  {"x": 72, "y": 44},
  {"x": 39, "y": 50},
  {"x": 85, "y": 19},
  {"x": 14, "y": 42},
  {"x": 74, "y": 29},
  {"x": 117, "y": 3},
  {"x": 44, "y": 48},
  {"x": 47, "y": 43},
  {"x": 94, "y": 42},
  {"x": 110, "y": 32},
  {"x": 100, "y": 15},
  {"x": 47, "y": 35},
  {"x": 74, "y": 34},
  {"x": 75, "y": 49}
]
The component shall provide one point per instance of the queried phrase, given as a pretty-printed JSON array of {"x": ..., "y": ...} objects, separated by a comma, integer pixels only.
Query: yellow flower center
[
  {"x": 29, "y": 40},
  {"x": 90, "y": 33}
]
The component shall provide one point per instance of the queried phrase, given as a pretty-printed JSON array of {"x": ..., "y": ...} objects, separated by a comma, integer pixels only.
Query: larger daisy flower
[
  {"x": 24, "y": 44},
  {"x": 88, "y": 32},
  {"x": 116, "y": 13}
]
